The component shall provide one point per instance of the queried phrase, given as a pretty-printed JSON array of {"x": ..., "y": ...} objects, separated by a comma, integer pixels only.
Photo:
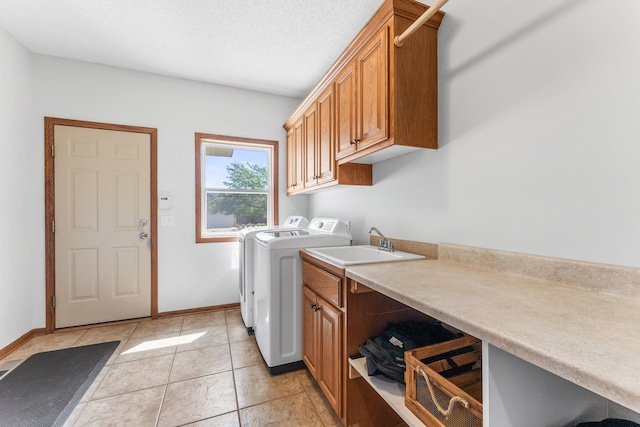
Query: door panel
[
  {"x": 127, "y": 272},
  {"x": 83, "y": 191},
  {"x": 102, "y": 192},
  {"x": 125, "y": 200},
  {"x": 83, "y": 272}
]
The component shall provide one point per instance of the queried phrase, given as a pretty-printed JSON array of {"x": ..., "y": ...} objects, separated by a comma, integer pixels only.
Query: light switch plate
[{"x": 166, "y": 221}]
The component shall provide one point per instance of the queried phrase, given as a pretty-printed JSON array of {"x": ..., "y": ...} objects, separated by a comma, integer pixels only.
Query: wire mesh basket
[{"x": 444, "y": 383}]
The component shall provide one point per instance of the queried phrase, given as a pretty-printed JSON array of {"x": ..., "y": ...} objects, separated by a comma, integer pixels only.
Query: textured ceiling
[{"x": 276, "y": 46}]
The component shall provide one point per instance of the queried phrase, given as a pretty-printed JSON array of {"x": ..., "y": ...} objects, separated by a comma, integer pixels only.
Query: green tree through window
[{"x": 247, "y": 208}]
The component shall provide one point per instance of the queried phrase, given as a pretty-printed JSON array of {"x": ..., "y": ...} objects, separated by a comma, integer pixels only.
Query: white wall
[
  {"x": 21, "y": 196},
  {"x": 539, "y": 137},
  {"x": 520, "y": 394},
  {"x": 190, "y": 275}
]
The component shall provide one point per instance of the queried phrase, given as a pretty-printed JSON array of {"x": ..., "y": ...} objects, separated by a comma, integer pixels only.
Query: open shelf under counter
[
  {"x": 551, "y": 345},
  {"x": 391, "y": 391}
]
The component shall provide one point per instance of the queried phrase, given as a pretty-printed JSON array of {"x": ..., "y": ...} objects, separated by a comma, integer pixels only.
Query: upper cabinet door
[
  {"x": 291, "y": 161},
  {"x": 310, "y": 143},
  {"x": 299, "y": 154},
  {"x": 373, "y": 91},
  {"x": 345, "y": 84},
  {"x": 325, "y": 150}
]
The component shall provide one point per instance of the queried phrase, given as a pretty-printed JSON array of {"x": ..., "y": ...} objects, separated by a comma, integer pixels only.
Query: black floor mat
[{"x": 44, "y": 389}]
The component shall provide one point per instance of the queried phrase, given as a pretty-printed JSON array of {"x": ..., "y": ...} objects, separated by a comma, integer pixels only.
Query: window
[{"x": 236, "y": 185}]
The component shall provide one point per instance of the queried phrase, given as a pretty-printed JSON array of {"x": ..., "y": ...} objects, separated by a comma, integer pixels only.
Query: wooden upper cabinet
[
  {"x": 346, "y": 113},
  {"x": 319, "y": 143},
  {"x": 310, "y": 142},
  {"x": 291, "y": 161},
  {"x": 373, "y": 95},
  {"x": 295, "y": 157},
  {"x": 384, "y": 97},
  {"x": 363, "y": 108},
  {"x": 300, "y": 153},
  {"x": 316, "y": 165},
  {"x": 325, "y": 145}
]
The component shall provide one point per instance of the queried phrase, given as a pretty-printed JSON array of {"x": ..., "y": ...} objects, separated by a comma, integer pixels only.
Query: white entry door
[{"x": 102, "y": 230}]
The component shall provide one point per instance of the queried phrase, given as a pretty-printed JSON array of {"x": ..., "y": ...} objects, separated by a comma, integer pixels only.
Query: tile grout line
[
  {"x": 164, "y": 395},
  {"x": 233, "y": 370},
  {"x": 166, "y": 386}
]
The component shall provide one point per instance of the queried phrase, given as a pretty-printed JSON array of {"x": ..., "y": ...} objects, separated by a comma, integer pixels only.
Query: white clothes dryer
[
  {"x": 247, "y": 239},
  {"x": 278, "y": 288}
]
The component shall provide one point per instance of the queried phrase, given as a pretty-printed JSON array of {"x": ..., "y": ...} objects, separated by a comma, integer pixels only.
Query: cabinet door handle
[
  {"x": 314, "y": 307},
  {"x": 356, "y": 140}
]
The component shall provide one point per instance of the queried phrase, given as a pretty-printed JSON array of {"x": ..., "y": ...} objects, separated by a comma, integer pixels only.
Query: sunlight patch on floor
[{"x": 164, "y": 342}]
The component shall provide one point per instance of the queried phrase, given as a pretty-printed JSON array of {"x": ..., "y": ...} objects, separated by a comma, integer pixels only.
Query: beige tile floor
[{"x": 198, "y": 370}]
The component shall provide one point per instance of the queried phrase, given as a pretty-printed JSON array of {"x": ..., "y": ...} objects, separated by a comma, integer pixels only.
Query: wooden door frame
[{"x": 49, "y": 207}]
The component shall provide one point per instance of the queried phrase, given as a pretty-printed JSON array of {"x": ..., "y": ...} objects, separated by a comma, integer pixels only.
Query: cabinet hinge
[
  {"x": 53, "y": 151},
  {"x": 53, "y": 301},
  {"x": 53, "y": 226}
]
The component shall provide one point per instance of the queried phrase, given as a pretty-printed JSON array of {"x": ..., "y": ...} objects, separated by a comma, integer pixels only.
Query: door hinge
[
  {"x": 53, "y": 226},
  {"x": 53, "y": 151},
  {"x": 53, "y": 301}
]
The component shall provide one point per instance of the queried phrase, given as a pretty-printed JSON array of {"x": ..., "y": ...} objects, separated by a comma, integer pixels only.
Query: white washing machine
[
  {"x": 278, "y": 288},
  {"x": 247, "y": 238}
]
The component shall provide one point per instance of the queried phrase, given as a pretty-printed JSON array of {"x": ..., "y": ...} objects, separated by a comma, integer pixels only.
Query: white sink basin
[{"x": 361, "y": 254}]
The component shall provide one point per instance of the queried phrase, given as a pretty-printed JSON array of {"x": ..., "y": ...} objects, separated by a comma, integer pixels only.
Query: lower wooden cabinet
[
  {"x": 310, "y": 332},
  {"x": 323, "y": 336},
  {"x": 330, "y": 378},
  {"x": 339, "y": 314},
  {"x": 323, "y": 332}
]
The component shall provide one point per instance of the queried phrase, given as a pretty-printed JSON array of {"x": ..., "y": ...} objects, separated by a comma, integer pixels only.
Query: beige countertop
[{"x": 586, "y": 336}]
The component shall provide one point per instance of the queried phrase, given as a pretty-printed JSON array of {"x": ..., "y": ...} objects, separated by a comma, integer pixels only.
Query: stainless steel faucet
[{"x": 384, "y": 244}]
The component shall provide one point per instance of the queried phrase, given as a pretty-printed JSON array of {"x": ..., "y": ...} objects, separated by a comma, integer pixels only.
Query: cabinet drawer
[{"x": 323, "y": 283}]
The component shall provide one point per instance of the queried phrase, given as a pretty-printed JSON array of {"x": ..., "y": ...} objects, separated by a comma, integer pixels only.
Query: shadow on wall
[{"x": 504, "y": 86}]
